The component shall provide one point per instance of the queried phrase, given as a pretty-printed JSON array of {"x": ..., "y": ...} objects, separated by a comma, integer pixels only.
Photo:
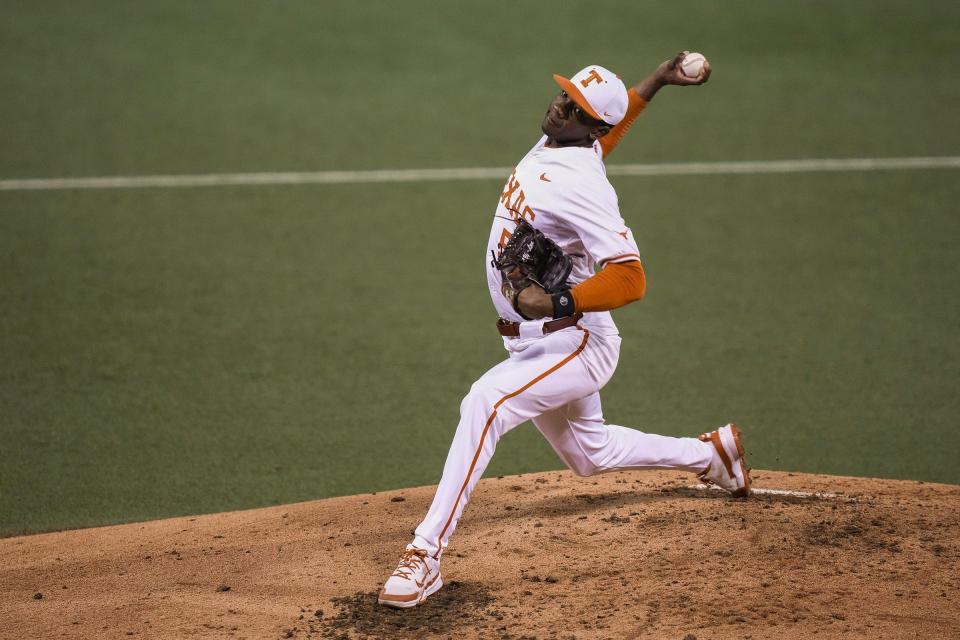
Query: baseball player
[{"x": 561, "y": 342}]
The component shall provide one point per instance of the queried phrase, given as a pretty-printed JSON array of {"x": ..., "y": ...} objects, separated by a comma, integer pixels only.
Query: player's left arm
[
  {"x": 594, "y": 216},
  {"x": 639, "y": 96},
  {"x": 616, "y": 285}
]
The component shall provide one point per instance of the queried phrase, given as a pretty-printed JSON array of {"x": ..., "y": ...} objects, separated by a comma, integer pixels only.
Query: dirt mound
[{"x": 625, "y": 555}]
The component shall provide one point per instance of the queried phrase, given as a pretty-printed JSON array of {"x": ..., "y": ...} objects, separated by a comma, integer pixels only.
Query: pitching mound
[{"x": 625, "y": 555}]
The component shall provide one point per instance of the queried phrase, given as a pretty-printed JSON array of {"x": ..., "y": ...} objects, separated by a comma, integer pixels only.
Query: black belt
[{"x": 512, "y": 329}]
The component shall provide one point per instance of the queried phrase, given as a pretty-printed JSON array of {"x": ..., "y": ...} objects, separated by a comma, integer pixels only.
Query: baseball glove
[{"x": 529, "y": 257}]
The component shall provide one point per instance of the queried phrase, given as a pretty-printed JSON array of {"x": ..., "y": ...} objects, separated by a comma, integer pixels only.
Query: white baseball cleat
[
  {"x": 417, "y": 576},
  {"x": 728, "y": 469}
]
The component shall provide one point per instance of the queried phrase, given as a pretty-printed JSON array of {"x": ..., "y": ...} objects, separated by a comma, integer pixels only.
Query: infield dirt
[{"x": 625, "y": 555}]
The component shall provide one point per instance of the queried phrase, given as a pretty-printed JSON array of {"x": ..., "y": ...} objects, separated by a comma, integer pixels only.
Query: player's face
[{"x": 566, "y": 123}]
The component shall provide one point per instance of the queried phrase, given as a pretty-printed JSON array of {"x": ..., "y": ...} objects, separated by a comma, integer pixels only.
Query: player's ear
[{"x": 599, "y": 131}]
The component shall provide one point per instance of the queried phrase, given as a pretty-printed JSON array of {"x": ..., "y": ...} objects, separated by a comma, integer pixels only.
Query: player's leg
[
  {"x": 588, "y": 446},
  {"x": 579, "y": 436},
  {"x": 546, "y": 375}
]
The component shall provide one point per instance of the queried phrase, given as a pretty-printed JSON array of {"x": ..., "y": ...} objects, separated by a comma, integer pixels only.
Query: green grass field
[{"x": 189, "y": 350}]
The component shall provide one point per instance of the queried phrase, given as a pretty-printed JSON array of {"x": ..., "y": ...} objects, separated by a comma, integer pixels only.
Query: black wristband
[{"x": 563, "y": 304}]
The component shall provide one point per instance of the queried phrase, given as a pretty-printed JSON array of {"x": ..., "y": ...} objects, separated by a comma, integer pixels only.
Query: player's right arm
[{"x": 639, "y": 96}]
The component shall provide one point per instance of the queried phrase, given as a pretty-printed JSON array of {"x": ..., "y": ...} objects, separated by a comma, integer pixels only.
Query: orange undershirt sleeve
[
  {"x": 635, "y": 104},
  {"x": 616, "y": 285}
]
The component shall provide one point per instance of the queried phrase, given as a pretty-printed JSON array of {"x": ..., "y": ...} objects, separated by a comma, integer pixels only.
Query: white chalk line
[
  {"x": 474, "y": 173},
  {"x": 816, "y": 495}
]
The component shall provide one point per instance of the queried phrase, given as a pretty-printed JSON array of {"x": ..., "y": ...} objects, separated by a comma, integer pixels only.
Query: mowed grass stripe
[{"x": 475, "y": 173}]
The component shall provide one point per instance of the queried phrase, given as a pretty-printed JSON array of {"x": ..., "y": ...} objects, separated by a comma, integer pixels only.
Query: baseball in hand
[{"x": 692, "y": 65}]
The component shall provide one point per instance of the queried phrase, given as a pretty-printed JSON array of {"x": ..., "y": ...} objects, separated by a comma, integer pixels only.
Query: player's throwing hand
[{"x": 671, "y": 71}]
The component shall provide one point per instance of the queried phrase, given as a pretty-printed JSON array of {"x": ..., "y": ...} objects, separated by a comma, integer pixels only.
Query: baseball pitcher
[{"x": 558, "y": 259}]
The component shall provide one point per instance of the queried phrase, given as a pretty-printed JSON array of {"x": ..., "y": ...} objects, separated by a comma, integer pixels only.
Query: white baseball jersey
[{"x": 563, "y": 192}]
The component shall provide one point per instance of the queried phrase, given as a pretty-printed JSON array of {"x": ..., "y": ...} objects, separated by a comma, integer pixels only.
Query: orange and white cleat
[
  {"x": 728, "y": 469},
  {"x": 417, "y": 577}
]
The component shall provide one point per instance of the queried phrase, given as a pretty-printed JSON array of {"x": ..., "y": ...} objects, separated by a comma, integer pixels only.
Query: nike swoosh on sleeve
[{"x": 543, "y": 176}]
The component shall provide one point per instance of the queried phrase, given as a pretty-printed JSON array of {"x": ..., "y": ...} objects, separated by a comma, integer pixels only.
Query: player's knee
[
  {"x": 481, "y": 397},
  {"x": 584, "y": 468}
]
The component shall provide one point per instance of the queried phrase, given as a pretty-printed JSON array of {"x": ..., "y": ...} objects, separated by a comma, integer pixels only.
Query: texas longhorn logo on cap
[{"x": 599, "y": 91}]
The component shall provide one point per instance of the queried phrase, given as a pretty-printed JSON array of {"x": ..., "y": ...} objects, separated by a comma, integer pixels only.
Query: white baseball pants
[{"x": 555, "y": 382}]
